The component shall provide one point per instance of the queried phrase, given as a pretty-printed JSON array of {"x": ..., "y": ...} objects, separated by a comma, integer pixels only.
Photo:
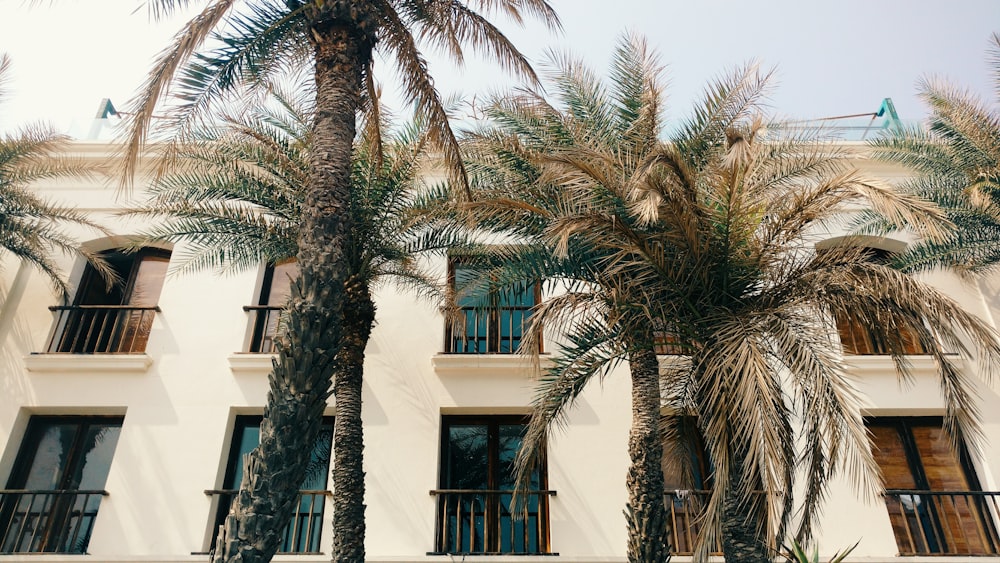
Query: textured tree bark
[
  {"x": 348, "y": 433},
  {"x": 743, "y": 528},
  {"x": 301, "y": 377},
  {"x": 645, "y": 513}
]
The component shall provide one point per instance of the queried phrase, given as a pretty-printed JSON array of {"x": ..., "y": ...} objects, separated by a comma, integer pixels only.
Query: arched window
[
  {"x": 115, "y": 318},
  {"x": 687, "y": 483},
  {"x": 275, "y": 288},
  {"x": 858, "y": 339}
]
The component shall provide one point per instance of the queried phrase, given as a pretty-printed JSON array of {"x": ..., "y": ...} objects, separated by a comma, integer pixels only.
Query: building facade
[{"x": 125, "y": 412}]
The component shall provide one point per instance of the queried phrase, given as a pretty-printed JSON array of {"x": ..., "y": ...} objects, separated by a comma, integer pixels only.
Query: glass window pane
[
  {"x": 510, "y": 437},
  {"x": 51, "y": 456},
  {"x": 471, "y": 289},
  {"x": 98, "y": 448},
  {"x": 248, "y": 437},
  {"x": 59, "y": 457},
  {"x": 319, "y": 461},
  {"x": 467, "y": 461}
]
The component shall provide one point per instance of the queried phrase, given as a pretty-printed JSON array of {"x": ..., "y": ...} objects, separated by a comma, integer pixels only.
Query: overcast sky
[{"x": 832, "y": 57}]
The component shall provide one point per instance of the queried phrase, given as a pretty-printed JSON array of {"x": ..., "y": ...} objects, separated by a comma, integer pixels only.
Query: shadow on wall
[{"x": 15, "y": 340}]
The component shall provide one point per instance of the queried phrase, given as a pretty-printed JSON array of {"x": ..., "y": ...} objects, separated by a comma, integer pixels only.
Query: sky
[{"x": 831, "y": 58}]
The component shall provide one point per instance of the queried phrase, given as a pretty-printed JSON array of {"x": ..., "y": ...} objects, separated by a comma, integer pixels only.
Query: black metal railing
[
  {"x": 302, "y": 535},
  {"x": 944, "y": 522},
  {"x": 487, "y": 330},
  {"x": 264, "y": 320},
  {"x": 47, "y": 521},
  {"x": 101, "y": 329},
  {"x": 482, "y": 522}
]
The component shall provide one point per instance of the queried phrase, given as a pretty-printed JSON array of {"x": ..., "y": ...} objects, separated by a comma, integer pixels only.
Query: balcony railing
[
  {"x": 47, "y": 521},
  {"x": 857, "y": 340},
  {"x": 944, "y": 522},
  {"x": 481, "y": 522},
  {"x": 264, "y": 320},
  {"x": 490, "y": 330},
  {"x": 101, "y": 329},
  {"x": 302, "y": 535},
  {"x": 684, "y": 510}
]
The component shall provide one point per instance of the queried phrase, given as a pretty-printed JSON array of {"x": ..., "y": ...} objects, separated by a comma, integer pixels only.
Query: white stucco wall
[{"x": 179, "y": 412}]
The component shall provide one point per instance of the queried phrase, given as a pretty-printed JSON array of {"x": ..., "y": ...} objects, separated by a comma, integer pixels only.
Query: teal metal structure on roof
[{"x": 853, "y": 127}]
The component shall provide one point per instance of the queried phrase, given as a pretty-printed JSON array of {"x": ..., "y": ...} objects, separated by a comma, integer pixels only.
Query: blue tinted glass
[{"x": 467, "y": 464}]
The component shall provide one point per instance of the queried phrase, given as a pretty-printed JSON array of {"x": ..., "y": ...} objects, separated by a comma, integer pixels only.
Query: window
[
  {"x": 477, "y": 485},
  {"x": 275, "y": 289},
  {"x": 932, "y": 494},
  {"x": 115, "y": 319},
  {"x": 687, "y": 483},
  {"x": 666, "y": 342},
  {"x": 488, "y": 320},
  {"x": 57, "y": 483},
  {"x": 303, "y": 533},
  {"x": 857, "y": 339}
]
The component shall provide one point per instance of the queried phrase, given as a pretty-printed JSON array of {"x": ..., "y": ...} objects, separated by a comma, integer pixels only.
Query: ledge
[
  {"x": 250, "y": 364},
  {"x": 487, "y": 364},
  {"x": 879, "y": 365},
  {"x": 88, "y": 363}
]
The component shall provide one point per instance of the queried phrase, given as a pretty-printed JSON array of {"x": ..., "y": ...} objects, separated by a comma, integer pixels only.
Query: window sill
[
  {"x": 883, "y": 364},
  {"x": 88, "y": 363},
  {"x": 488, "y": 364},
  {"x": 249, "y": 363}
]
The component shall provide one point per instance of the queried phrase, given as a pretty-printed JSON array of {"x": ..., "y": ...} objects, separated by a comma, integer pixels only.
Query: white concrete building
[{"x": 122, "y": 417}]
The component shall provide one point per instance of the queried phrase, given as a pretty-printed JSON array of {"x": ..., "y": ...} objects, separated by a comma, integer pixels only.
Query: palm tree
[
  {"x": 32, "y": 228},
  {"x": 957, "y": 161},
  {"x": 512, "y": 198},
  {"x": 337, "y": 38},
  {"x": 235, "y": 199},
  {"x": 704, "y": 241}
]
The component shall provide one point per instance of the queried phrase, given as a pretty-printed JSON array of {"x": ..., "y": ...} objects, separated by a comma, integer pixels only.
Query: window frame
[
  {"x": 927, "y": 510},
  {"x": 233, "y": 459},
  {"x": 261, "y": 331},
  {"x": 59, "y": 514},
  {"x": 491, "y": 524},
  {"x": 686, "y": 505},
  {"x": 103, "y": 322},
  {"x": 493, "y": 322},
  {"x": 855, "y": 337}
]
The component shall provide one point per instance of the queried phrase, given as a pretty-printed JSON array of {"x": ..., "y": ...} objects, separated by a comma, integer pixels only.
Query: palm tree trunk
[
  {"x": 743, "y": 528},
  {"x": 348, "y": 435},
  {"x": 300, "y": 380},
  {"x": 645, "y": 513}
]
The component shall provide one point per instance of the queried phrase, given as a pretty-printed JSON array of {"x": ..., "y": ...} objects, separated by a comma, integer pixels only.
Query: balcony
[
  {"x": 487, "y": 330},
  {"x": 944, "y": 522},
  {"x": 101, "y": 329},
  {"x": 301, "y": 536},
  {"x": 52, "y": 521},
  {"x": 684, "y": 509},
  {"x": 480, "y": 522}
]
